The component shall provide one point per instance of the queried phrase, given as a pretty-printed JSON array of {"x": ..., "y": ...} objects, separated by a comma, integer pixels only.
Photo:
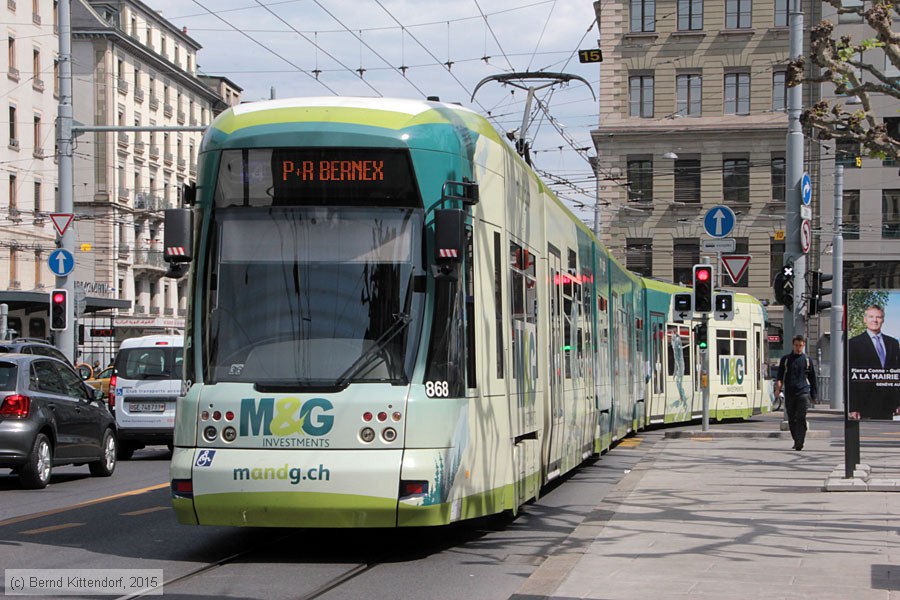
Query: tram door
[
  {"x": 657, "y": 406},
  {"x": 757, "y": 367},
  {"x": 557, "y": 362}
]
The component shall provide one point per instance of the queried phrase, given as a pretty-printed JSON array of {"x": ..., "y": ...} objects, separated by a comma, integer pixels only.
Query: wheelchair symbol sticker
[{"x": 205, "y": 458}]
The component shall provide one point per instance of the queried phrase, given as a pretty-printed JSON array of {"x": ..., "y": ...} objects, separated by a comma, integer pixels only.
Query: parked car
[
  {"x": 50, "y": 417},
  {"x": 100, "y": 380},
  {"x": 32, "y": 346}
]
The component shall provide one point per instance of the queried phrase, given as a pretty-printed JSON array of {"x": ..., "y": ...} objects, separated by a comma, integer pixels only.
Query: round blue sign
[
  {"x": 719, "y": 221},
  {"x": 61, "y": 262},
  {"x": 806, "y": 189}
]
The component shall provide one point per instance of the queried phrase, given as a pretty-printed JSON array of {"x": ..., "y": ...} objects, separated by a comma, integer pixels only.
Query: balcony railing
[
  {"x": 139, "y": 147},
  {"x": 138, "y": 94},
  {"x": 36, "y": 18},
  {"x": 181, "y": 117},
  {"x": 38, "y": 85},
  {"x": 124, "y": 193},
  {"x": 124, "y": 250},
  {"x": 13, "y": 144},
  {"x": 123, "y": 139},
  {"x": 154, "y": 152},
  {"x": 168, "y": 311},
  {"x": 168, "y": 158},
  {"x": 152, "y": 259},
  {"x": 168, "y": 110},
  {"x": 182, "y": 163},
  {"x": 150, "y": 202},
  {"x": 11, "y": 5},
  {"x": 38, "y": 153},
  {"x": 13, "y": 73},
  {"x": 139, "y": 309},
  {"x": 154, "y": 102},
  {"x": 154, "y": 310},
  {"x": 122, "y": 86}
]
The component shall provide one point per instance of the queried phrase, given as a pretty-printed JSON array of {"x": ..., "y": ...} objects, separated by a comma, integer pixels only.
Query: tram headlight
[
  {"x": 229, "y": 434},
  {"x": 389, "y": 434},
  {"x": 210, "y": 434},
  {"x": 367, "y": 434}
]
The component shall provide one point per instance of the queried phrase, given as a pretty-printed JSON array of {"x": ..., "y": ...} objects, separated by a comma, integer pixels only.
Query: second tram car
[{"x": 393, "y": 322}]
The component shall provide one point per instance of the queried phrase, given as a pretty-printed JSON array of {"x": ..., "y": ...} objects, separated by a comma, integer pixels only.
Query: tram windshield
[{"x": 313, "y": 297}]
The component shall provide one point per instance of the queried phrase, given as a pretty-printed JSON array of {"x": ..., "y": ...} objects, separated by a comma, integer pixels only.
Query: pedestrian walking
[{"x": 797, "y": 377}]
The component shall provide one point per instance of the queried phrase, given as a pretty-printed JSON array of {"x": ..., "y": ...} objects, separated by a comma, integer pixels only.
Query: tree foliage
[{"x": 843, "y": 62}]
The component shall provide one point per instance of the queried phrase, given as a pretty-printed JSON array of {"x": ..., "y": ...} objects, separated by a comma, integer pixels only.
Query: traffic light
[
  {"x": 818, "y": 292},
  {"x": 700, "y": 335},
  {"x": 59, "y": 310},
  {"x": 724, "y": 306},
  {"x": 703, "y": 287},
  {"x": 784, "y": 286}
]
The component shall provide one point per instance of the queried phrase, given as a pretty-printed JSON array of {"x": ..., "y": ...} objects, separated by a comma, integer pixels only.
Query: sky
[{"x": 318, "y": 47}]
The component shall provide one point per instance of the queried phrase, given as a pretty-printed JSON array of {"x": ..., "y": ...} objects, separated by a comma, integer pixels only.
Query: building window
[
  {"x": 56, "y": 77},
  {"x": 779, "y": 91},
  {"x": 643, "y": 15},
  {"x": 38, "y": 140},
  {"x": 685, "y": 254},
  {"x": 37, "y": 197},
  {"x": 640, "y": 95},
  {"x": 850, "y": 225},
  {"x": 640, "y": 180},
  {"x": 639, "y": 256},
  {"x": 13, "y": 201},
  {"x": 741, "y": 248},
  {"x": 738, "y": 14},
  {"x": 851, "y": 17},
  {"x": 737, "y": 93},
  {"x": 36, "y": 64},
  {"x": 690, "y": 15},
  {"x": 736, "y": 180},
  {"x": 776, "y": 258},
  {"x": 13, "y": 137},
  {"x": 11, "y": 53},
  {"x": 687, "y": 180},
  {"x": 781, "y": 13},
  {"x": 847, "y": 153},
  {"x": 689, "y": 89},
  {"x": 778, "y": 166},
  {"x": 38, "y": 270},
  {"x": 892, "y": 125},
  {"x": 890, "y": 211},
  {"x": 13, "y": 268}
]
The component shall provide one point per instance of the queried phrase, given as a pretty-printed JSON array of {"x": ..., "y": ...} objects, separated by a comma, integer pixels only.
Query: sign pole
[
  {"x": 704, "y": 367},
  {"x": 65, "y": 340}
]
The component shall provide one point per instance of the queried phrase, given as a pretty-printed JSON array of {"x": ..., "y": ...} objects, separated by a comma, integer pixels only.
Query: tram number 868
[{"x": 437, "y": 389}]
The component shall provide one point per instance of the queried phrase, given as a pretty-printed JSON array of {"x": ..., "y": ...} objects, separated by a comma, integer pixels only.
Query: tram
[{"x": 393, "y": 322}]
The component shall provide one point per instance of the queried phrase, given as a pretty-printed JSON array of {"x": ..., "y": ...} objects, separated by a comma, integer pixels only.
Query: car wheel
[
  {"x": 107, "y": 464},
  {"x": 125, "y": 451},
  {"x": 35, "y": 474}
]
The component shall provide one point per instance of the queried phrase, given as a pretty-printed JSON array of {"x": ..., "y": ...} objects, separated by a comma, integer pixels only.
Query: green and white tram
[{"x": 393, "y": 322}]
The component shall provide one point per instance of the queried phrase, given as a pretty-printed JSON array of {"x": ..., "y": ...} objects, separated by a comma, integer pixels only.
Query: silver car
[{"x": 50, "y": 417}]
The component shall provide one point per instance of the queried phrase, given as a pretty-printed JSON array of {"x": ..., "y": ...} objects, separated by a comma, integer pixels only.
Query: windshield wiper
[{"x": 366, "y": 357}]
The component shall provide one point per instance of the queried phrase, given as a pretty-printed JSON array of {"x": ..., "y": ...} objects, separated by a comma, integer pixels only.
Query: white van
[{"x": 147, "y": 382}]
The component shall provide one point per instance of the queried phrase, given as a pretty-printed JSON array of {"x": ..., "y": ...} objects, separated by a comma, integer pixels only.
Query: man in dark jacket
[{"x": 797, "y": 376}]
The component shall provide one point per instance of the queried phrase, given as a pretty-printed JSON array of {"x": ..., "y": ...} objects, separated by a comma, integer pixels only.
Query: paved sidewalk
[{"x": 733, "y": 518}]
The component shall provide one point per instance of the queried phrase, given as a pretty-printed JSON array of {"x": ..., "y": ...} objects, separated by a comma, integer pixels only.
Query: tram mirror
[
  {"x": 178, "y": 237},
  {"x": 449, "y": 235}
]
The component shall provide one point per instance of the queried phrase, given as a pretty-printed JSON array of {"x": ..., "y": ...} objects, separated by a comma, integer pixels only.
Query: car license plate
[{"x": 147, "y": 406}]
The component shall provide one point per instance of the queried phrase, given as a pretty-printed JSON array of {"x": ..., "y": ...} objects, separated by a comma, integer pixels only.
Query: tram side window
[
  {"x": 523, "y": 292},
  {"x": 569, "y": 314},
  {"x": 471, "y": 370}
]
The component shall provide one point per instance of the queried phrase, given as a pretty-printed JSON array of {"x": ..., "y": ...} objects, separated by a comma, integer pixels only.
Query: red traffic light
[
  {"x": 703, "y": 274},
  {"x": 58, "y": 297}
]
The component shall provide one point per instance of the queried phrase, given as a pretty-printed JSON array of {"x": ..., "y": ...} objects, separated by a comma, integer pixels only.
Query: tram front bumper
[{"x": 275, "y": 488}]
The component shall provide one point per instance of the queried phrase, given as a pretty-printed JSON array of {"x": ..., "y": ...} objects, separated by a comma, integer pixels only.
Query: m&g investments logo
[{"x": 285, "y": 418}]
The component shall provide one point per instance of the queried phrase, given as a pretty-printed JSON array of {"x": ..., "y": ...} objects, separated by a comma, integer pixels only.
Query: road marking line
[
  {"x": 51, "y": 528},
  {"x": 56, "y": 511},
  {"x": 144, "y": 511}
]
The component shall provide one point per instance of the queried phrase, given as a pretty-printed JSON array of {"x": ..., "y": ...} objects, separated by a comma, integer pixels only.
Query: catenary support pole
[{"x": 704, "y": 366}]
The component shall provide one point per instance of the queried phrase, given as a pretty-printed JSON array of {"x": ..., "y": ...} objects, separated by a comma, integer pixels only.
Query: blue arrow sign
[
  {"x": 61, "y": 262},
  {"x": 806, "y": 189},
  {"x": 719, "y": 221}
]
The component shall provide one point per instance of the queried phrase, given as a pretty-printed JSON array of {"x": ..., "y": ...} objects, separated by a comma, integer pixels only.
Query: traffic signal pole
[
  {"x": 793, "y": 318},
  {"x": 837, "y": 293},
  {"x": 704, "y": 358},
  {"x": 65, "y": 339}
]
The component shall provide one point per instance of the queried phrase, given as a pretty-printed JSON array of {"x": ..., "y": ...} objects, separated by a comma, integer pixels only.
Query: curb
[{"x": 734, "y": 433}]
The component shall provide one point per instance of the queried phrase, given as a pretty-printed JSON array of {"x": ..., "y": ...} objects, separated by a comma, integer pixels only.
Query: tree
[{"x": 842, "y": 62}]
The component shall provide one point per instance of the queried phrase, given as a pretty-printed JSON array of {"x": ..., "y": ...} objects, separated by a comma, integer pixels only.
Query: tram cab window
[{"x": 731, "y": 343}]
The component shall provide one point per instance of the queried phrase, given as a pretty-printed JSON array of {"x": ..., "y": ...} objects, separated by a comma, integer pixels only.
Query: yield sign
[
  {"x": 736, "y": 266},
  {"x": 61, "y": 222}
]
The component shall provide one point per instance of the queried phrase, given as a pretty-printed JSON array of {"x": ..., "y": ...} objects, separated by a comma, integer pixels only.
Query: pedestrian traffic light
[
  {"x": 818, "y": 292},
  {"x": 784, "y": 286},
  {"x": 700, "y": 335},
  {"x": 703, "y": 287},
  {"x": 59, "y": 309}
]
